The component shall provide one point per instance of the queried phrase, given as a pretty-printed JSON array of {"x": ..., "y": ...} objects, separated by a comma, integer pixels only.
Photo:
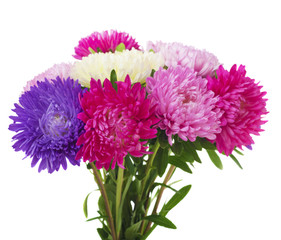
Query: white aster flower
[{"x": 136, "y": 63}]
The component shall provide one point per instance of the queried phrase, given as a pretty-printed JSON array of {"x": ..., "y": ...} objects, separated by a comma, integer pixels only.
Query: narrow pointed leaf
[
  {"x": 178, "y": 196},
  {"x": 215, "y": 158},
  {"x": 132, "y": 232},
  {"x": 240, "y": 153},
  {"x": 85, "y": 205},
  {"x": 235, "y": 160},
  {"x": 161, "y": 221},
  {"x": 163, "y": 185},
  {"x": 100, "y": 217},
  {"x": 176, "y": 161},
  {"x": 206, "y": 144}
]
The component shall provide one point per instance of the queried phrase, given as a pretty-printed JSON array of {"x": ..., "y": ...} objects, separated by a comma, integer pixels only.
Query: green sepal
[
  {"x": 91, "y": 50},
  {"x": 113, "y": 79},
  {"x": 215, "y": 158},
  {"x": 120, "y": 48},
  {"x": 161, "y": 221}
]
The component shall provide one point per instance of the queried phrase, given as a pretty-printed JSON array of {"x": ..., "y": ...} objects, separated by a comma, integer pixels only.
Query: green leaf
[
  {"x": 91, "y": 50},
  {"x": 161, "y": 221},
  {"x": 197, "y": 145},
  {"x": 152, "y": 176},
  {"x": 91, "y": 219},
  {"x": 178, "y": 196},
  {"x": 103, "y": 234},
  {"x": 206, "y": 144},
  {"x": 163, "y": 139},
  {"x": 129, "y": 165},
  {"x": 178, "y": 162},
  {"x": 113, "y": 79},
  {"x": 240, "y": 153},
  {"x": 177, "y": 148},
  {"x": 188, "y": 147},
  {"x": 85, "y": 205},
  {"x": 163, "y": 185},
  {"x": 101, "y": 205},
  {"x": 161, "y": 161},
  {"x": 235, "y": 160},
  {"x": 121, "y": 47},
  {"x": 132, "y": 232},
  {"x": 215, "y": 158}
]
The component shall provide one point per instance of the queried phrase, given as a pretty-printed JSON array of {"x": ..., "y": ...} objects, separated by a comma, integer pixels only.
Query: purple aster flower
[
  {"x": 46, "y": 123},
  {"x": 177, "y": 54},
  {"x": 183, "y": 104}
]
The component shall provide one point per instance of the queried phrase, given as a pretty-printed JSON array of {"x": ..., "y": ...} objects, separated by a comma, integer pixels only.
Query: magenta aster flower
[
  {"x": 243, "y": 105},
  {"x": 183, "y": 103},
  {"x": 61, "y": 70},
  {"x": 116, "y": 123},
  {"x": 177, "y": 54},
  {"x": 104, "y": 42}
]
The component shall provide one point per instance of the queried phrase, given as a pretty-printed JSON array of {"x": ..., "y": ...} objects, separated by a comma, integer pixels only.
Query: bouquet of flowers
[{"x": 134, "y": 116}]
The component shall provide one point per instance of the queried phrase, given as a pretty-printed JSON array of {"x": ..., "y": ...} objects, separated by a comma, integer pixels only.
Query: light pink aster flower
[
  {"x": 61, "y": 70},
  {"x": 116, "y": 123},
  {"x": 177, "y": 54},
  {"x": 183, "y": 104},
  {"x": 104, "y": 42},
  {"x": 243, "y": 105}
]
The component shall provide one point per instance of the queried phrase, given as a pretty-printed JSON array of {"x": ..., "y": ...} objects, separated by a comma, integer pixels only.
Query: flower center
[{"x": 54, "y": 123}]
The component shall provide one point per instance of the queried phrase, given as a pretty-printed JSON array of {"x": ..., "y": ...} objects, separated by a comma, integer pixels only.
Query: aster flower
[
  {"x": 116, "y": 123},
  {"x": 177, "y": 54},
  {"x": 99, "y": 66},
  {"x": 243, "y": 106},
  {"x": 46, "y": 123},
  {"x": 61, "y": 70},
  {"x": 183, "y": 104},
  {"x": 104, "y": 42}
]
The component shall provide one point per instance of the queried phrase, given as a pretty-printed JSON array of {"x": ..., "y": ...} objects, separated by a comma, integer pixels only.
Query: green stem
[
  {"x": 118, "y": 200},
  {"x": 106, "y": 202},
  {"x": 149, "y": 165},
  {"x": 167, "y": 178}
]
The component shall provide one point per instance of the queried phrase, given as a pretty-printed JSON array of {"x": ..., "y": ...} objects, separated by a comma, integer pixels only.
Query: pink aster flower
[
  {"x": 243, "y": 105},
  {"x": 177, "y": 54},
  {"x": 183, "y": 104},
  {"x": 61, "y": 70},
  {"x": 104, "y": 42},
  {"x": 116, "y": 123}
]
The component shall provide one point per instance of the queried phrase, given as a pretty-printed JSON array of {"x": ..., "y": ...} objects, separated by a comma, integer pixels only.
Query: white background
[{"x": 229, "y": 204}]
